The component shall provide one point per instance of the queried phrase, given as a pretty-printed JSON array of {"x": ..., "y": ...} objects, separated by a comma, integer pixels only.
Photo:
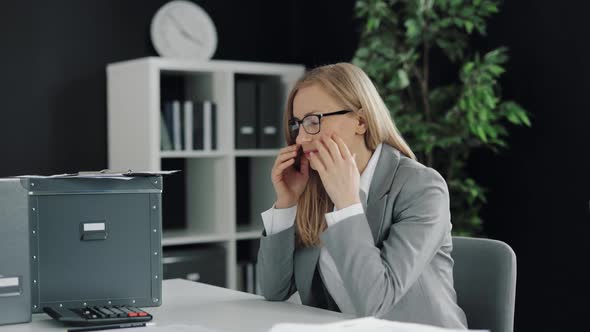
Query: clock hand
[{"x": 185, "y": 33}]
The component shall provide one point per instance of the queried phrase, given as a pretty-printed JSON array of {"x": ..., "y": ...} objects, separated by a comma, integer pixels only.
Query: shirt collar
[{"x": 369, "y": 171}]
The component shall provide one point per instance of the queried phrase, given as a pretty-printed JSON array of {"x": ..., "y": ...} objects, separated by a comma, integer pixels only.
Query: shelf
[
  {"x": 179, "y": 237},
  {"x": 218, "y": 196},
  {"x": 257, "y": 153},
  {"x": 187, "y": 65},
  {"x": 192, "y": 154},
  {"x": 219, "y": 154},
  {"x": 248, "y": 232}
]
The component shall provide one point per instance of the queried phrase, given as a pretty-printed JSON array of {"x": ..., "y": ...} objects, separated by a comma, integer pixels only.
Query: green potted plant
[{"x": 444, "y": 123}]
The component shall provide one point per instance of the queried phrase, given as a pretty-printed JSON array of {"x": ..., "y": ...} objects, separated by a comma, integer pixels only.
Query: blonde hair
[{"x": 350, "y": 85}]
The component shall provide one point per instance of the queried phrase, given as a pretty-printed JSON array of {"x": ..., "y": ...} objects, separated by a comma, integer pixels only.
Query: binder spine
[
  {"x": 207, "y": 125},
  {"x": 188, "y": 125}
]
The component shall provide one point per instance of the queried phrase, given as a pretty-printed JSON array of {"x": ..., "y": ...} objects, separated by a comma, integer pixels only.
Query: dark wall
[
  {"x": 54, "y": 55},
  {"x": 53, "y": 106},
  {"x": 540, "y": 187}
]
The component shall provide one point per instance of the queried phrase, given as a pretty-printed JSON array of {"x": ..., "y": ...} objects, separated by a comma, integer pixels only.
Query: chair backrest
[{"x": 485, "y": 282}]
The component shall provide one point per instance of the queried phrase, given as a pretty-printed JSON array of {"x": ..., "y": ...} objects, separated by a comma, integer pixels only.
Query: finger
[
  {"x": 317, "y": 163},
  {"x": 323, "y": 153},
  {"x": 333, "y": 148},
  {"x": 285, "y": 156},
  {"x": 280, "y": 168},
  {"x": 285, "y": 164},
  {"x": 344, "y": 151},
  {"x": 355, "y": 167},
  {"x": 283, "y": 151},
  {"x": 288, "y": 149}
]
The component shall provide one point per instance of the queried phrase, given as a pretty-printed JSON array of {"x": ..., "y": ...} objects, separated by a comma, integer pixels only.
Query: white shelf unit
[{"x": 134, "y": 93}]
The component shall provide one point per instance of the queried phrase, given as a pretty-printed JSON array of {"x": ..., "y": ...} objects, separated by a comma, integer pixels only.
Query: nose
[{"x": 302, "y": 136}]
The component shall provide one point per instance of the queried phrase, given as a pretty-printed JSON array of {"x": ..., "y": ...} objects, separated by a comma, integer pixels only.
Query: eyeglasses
[{"x": 311, "y": 122}]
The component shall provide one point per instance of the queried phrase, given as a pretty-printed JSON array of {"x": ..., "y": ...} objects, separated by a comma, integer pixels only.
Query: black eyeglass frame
[{"x": 299, "y": 123}]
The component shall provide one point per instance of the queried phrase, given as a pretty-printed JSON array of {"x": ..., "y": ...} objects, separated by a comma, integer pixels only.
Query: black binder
[
  {"x": 213, "y": 126},
  {"x": 198, "y": 125},
  {"x": 270, "y": 111},
  {"x": 246, "y": 126}
]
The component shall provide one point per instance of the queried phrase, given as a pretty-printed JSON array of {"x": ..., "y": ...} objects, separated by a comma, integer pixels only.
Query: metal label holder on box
[{"x": 95, "y": 240}]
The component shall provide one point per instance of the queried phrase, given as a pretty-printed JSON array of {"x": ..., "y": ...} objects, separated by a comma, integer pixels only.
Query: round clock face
[{"x": 181, "y": 29}]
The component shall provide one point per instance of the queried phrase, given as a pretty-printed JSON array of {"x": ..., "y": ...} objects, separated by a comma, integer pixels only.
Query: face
[{"x": 312, "y": 99}]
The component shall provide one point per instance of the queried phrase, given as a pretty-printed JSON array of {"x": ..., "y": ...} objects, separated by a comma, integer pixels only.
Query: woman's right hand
[{"x": 289, "y": 183}]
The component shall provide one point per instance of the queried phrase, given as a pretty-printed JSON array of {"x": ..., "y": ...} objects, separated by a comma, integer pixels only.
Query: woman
[{"x": 358, "y": 226}]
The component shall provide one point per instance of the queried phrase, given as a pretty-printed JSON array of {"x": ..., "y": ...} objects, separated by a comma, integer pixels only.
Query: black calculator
[{"x": 101, "y": 315}]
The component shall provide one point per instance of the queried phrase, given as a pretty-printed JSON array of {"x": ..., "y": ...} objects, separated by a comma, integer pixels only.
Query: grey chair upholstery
[{"x": 485, "y": 282}]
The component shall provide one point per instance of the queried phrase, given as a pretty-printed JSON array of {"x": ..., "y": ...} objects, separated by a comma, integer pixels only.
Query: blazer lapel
[
  {"x": 380, "y": 185},
  {"x": 306, "y": 260}
]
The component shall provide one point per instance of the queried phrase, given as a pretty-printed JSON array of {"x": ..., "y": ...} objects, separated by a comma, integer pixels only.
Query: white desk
[{"x": 191, "y": 303}]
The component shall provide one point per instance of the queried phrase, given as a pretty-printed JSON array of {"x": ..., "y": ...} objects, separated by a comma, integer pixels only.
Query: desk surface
[{"x": 191, "y": 303}]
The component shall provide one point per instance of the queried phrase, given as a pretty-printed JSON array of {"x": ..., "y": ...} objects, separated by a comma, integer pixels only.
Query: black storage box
[{"x": 93, "y": 241}]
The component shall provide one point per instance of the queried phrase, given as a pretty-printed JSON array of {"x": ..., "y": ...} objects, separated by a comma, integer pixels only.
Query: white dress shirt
[{"x": 277, "y": 220}]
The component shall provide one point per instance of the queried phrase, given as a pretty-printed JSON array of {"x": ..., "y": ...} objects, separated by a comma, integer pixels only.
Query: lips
[{"x": 308, "y": 152}]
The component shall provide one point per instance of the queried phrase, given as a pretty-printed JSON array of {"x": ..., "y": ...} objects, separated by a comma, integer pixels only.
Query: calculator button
[
  {"x": 105, "y": 312},
  {"x": 125, "y": 310},
  {"x": 94, "y": 314},
  {"x": 118, "y": 312}
]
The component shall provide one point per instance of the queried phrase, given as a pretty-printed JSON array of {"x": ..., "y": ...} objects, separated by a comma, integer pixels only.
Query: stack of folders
[{"x": 188, "y": 125}]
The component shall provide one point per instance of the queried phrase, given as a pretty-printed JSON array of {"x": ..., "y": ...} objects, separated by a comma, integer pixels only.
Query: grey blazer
[{"x": 394, "y": 260}]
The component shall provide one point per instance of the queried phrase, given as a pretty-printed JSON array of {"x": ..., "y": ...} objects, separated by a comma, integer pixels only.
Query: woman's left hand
[{"x": 338, "y": 171}]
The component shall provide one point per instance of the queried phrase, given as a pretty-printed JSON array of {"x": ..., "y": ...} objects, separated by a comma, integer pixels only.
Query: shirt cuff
[
  {"x": 278, "y": 220},
  {"x": 333, "y": 217}
]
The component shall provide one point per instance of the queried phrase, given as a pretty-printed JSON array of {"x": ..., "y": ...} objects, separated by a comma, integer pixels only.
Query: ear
[{"x": 361, "y": 126}]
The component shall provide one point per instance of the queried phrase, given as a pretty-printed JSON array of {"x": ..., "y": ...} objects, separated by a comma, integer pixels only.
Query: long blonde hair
[{"x": 350, "y": 85}]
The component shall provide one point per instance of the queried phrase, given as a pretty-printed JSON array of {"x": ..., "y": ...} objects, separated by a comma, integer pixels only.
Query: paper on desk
[
  {"x": 169, "y": 328},
  {"x": 368, "y": 324},
  {"x": 104, "y": 174}
]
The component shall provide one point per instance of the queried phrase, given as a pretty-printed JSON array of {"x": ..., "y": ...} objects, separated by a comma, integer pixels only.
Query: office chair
[{"x": 485, "y": 282}]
